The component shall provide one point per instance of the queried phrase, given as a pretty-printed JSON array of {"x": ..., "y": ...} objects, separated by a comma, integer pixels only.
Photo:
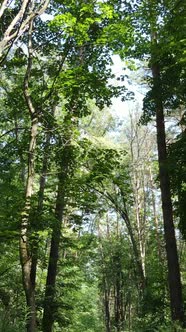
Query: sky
[{"x": 120, "y": 108}]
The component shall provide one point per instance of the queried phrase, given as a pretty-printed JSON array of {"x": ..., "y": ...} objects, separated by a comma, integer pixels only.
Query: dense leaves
[{"x": 83, "y": 203}]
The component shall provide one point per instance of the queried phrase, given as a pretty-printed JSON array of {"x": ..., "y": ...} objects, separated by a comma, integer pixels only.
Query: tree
[
  {"x": 83, "y": 83},
  {"x": 174, "y": 279},
  {"x": 146, "y": 18}
]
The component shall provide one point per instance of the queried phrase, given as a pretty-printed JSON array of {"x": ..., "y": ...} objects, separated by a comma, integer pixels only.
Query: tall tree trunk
[
  {"x": 139, "y": 222},
  {"x": 42, "y": 182},
  {"x": 158, "y": 240},
  {"x": 24, "y": 243},
  {"x": 175, "y": 287},
  {"x": 137, "y": 180},
  {"x": 106, "y": 288},
  {"x": 25, "y": 256},
  {"x": 118, "y": 302},
  {"x": 48, "y": 315},
  {"x": 142, "y": 279},
  {"x": 107, "y": 307},
  {"x": 65, "y": 170}
]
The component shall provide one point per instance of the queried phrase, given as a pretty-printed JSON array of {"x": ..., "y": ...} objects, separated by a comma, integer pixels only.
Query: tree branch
[
  {"x": 12, "y": 130},
  {"x": 10, "y": 34},
  {"x": 28, "y": 72},
  {"x": 3, "y": 7}
]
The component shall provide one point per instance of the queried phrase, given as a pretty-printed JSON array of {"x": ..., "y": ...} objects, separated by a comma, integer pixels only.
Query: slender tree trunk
[
  {"x": 139, "y": 199},
  {"x": 175, "y": 287},
  {"x": 107, "y": 308},
  {"x": 24, "y": 243},
  {"x": 158, "y": 240},
  {"x": 129, "y": 316},
  {"x": 107, "y": 223},
  {"x": 65, "y": 170},
  {"x": 48, "y": 315},
  {"x": 106, "y": 288},
  {"x": 140, "y": 224},
  {"x": 140, "y": 270},
  {"x": 42, "y": 182},
  {"x": 123, "y": 301},
  {"x": 25, "y": 256},
  {"x": 118, "y": 303}
]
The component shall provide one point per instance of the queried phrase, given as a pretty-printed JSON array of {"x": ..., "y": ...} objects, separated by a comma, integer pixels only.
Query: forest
[{"x": 92, "y": 166}]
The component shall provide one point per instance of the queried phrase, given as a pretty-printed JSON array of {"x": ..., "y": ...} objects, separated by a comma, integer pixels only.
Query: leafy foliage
[{"x": 98, "y": 284}]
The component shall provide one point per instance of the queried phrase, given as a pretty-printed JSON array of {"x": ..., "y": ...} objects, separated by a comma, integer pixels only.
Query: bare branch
[
  {"x": 12, "y": 130},
  {"x": 18, "y": 17},
  {"x": 13, "y": 32},
  {"x": 25, "y": 23},
  {"x": 44, "y": 4}
]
